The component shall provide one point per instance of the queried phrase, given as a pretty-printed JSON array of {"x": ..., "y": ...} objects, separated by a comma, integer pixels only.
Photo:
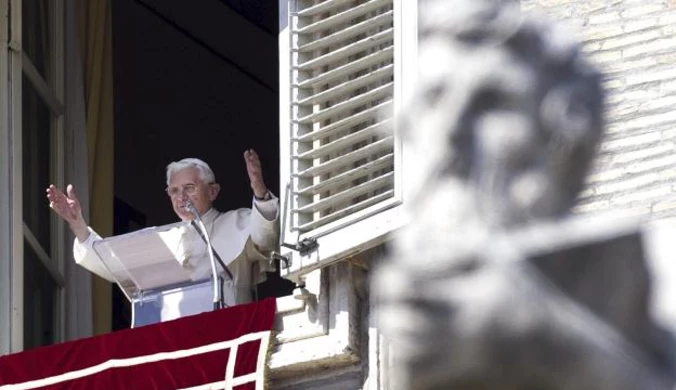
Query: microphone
[
  {"x": 199, "y": 225},
  {"x": 191, "y": 207}
]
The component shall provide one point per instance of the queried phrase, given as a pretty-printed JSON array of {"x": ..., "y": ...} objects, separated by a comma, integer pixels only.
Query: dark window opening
[{"x": 191, "y": 80}]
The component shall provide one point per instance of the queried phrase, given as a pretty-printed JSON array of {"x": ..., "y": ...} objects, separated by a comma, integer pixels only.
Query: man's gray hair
[{"x": 205, "y": 172}]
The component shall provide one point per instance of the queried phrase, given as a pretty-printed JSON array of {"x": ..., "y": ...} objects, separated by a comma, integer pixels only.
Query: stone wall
[{"x": 634, "y": 43}]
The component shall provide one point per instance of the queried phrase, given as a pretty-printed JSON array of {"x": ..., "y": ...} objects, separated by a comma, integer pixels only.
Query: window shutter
[{"x": 341, "y": 148}]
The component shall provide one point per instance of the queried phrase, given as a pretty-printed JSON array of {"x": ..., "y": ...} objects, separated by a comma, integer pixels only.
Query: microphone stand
[{"x": 202, "y": 231}]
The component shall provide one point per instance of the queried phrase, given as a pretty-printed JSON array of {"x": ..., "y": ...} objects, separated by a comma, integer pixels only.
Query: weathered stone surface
[
  {"x": 633, "y": 41},
  {"x": 492, "y": 285}
]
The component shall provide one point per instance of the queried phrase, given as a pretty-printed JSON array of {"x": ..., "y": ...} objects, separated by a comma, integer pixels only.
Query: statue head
[{"x": 506, "y": 108}]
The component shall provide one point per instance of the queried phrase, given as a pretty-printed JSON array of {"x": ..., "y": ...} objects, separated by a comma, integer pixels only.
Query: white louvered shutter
[{"x": 341, "y": 147}]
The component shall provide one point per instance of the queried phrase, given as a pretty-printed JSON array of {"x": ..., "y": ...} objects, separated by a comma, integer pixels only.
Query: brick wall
[{"x": 634, "y": 44}]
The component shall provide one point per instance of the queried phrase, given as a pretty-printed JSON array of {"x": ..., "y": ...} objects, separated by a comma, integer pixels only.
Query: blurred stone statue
[{"x": 493, "y": 285}]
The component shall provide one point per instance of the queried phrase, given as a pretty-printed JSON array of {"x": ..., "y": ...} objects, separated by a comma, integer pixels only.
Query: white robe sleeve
[
  {"x": 264, "y": 223},
  {"x": 84, "y": 255},
  {"x": 264, "y": 237}
]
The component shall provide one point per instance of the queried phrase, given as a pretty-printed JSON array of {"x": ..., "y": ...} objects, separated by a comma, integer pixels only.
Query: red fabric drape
[{"x": 177, "y": 354}]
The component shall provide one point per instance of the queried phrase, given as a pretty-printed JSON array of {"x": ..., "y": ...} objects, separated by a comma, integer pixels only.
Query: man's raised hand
[
  {"x": 253, "y": 168},
  {"x": 68, "y": 207}
]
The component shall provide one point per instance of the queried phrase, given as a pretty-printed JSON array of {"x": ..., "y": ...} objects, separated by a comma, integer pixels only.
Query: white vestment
[{"x": 240, "y": 237}]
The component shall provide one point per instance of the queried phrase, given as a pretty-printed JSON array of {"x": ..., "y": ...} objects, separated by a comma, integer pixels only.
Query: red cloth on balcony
[{"x": 184, "y": 353}]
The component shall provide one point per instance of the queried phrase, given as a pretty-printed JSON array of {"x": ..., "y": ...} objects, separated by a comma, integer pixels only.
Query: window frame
[
  {"x": 371, "y": 226},
  {"x": 7, "y": 247},
  {"x": 14, "y": 65},
  {"x": 326, "y": 328}
]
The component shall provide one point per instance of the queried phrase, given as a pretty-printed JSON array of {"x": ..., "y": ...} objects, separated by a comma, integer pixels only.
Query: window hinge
[
  {"x": 306, "y": 246},
  {"x": 14, "y": 45},
  {"x": 303, "y": 247}
]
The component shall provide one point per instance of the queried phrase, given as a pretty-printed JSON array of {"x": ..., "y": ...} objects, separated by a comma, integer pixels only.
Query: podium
[{"x": 164, "y": 272}]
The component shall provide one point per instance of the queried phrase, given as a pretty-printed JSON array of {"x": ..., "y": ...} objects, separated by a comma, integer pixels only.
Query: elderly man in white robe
[{"x": 240, "y": 237}]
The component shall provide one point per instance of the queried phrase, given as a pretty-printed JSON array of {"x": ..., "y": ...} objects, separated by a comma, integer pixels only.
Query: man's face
[{"x": 187, "y": 185}]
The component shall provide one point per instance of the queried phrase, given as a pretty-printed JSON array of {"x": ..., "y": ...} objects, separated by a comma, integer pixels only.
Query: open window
[
  {"x": 346, "y": 67},
  {"x": 33, "y": 296}
]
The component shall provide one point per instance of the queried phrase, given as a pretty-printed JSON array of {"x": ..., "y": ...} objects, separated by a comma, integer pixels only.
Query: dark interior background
[{"x": 192, "y": 79}]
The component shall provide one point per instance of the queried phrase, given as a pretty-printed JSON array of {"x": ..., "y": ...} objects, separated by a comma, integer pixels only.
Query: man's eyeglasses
[{"x": 188, "y": 189}]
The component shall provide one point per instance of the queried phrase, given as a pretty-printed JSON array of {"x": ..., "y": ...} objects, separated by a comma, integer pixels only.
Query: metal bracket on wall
[
  {"x": 14, "y": 45},
  {"x": 304, "y": 247}
]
